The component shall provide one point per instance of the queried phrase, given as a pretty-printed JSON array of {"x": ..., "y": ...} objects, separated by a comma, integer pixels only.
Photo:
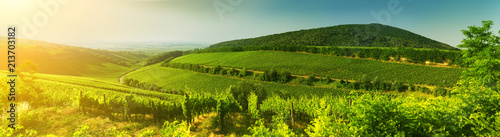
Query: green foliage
[
  {"x": 186, "y": 108},
  {"x": 265, "y": 76},
  {"x": 377, "y": 84},
  {"x": 18, "y": 132},
  {"x": 279, "y": 129},
  {"x": 358, "y": 35},
  {"x": 215, "y": 70},
  {"x": 260, "y": 130},
  {"x": 252, "y": 106},
  {"x": 440, "y": 91},
  {"x": 482, "y": 54},
  {"x": 175, "y": 129},
  {"x": 310, "y": 79},
  {"x": 242, "y": 91},
  {"x": 324, "y": 124},
  {"x": 162, "y": 57},
  {"x": 112, "y": 132},
  {"x": 284, "y": 77},
  {"x": 83, "y": 131},
  {"x": 365, "y": 83},
  {"x": 397, "y": 86},
  {"x": 146, "y": 133},
  {"x": 178, "y": 79},
  {"x": 381, "y": 116},
  {"x": 226, "y": 104},
  {"x": 378, "y": 111},
  {"x": 479, "y": 87},
  {"x": 223, "y": 72},
  {"x": 343, "y": 68},
  {"x": 243, "y": 72}
]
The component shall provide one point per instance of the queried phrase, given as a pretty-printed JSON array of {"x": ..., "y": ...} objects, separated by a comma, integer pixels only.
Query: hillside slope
[
  {"x": 355, "y": 35},
  {"x": 327, "y": 66},
  {"x": 53, "y": 58}
]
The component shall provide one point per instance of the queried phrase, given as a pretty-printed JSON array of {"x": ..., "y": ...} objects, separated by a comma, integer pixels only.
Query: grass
[
  {"x": 321, "y": 65},
  {"x": 170, "y": 78},
  {"x": 52, "y": 58}
]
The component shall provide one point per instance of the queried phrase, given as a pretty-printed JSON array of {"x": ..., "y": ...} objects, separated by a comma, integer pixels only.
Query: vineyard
[
  {"x": 327, "y": 66},
  {"x": 271, "y": 93},
  {"x": 171, "y": 78},
  {"x": 117, "y": 101},
  {"x": 365, "y": 84}
]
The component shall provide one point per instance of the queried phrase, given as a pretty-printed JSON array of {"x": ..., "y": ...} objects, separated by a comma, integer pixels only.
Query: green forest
[{"x": 352, "y": 35}]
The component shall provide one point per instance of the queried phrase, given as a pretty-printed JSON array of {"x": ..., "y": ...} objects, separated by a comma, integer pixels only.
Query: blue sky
[
  {"x": 84, "y": 22},
  {"x": 439, "y": 20}
]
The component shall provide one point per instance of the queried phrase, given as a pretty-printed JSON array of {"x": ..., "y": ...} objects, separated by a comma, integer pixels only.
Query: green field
[
  {"x": 169, "y": 78},
  {"x": 321, "y": 65}
]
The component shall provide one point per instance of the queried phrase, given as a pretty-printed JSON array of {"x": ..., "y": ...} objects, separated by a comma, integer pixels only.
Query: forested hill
[{"x": 355, "y": 35}]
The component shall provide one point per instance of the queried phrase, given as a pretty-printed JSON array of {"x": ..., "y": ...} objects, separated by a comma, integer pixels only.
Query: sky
[{"x": 89, "y": 22}]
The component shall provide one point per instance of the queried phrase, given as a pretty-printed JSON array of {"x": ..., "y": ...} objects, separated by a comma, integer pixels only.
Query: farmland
[
  {"x": 169, "y": 78},
  {"x": 321, "y": 65},
  {"x": 207, "y": 92}
]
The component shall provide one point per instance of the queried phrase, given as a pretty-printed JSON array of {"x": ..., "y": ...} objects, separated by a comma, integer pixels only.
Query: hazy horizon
[{"x": 89, "y": 22}]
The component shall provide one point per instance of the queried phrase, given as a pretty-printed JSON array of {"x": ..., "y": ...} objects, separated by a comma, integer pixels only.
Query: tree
[
  {"x": 223, "y": 72},
  {"x": 127, "y": 81},
  {"x": 365, "y": 82},
  {"x": 265, "y": 76},
  {"x": 309, "y": 81},
  {"x": 153, "y": 87},
  {"x": 273, "y": 75},
  {"x": 478, "y": 86},
  {"x": 377, "y": 84},
  {"x": 243, "y": 72},
  {"x": 397, "y": 86},
  {"x": 481, "y": 54},
  {"x": 241, "y": 92},
  {"x": 284, "y": 77}
]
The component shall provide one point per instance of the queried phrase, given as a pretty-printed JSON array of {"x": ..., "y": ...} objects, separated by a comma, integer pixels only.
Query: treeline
[
  {"x": 355, "y": 35},
  {"x": 375, "y": 85},
  {"x": 411, "y": 55},
  {"x": 365, "y": 83},
  {"x": 163, "y": 56},
  {"x": 217, "y": 70},
  {"x": 151, "y": 87}
]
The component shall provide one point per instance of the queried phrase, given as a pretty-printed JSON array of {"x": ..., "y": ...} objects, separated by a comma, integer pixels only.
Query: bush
[
  {"x": 241, "y": 92},
  {"x": 440, "y": 91},
  {"x": 243, "y": 72},
  {"x": 284, "y": 77},
  {"x": 223, "y": 72}
]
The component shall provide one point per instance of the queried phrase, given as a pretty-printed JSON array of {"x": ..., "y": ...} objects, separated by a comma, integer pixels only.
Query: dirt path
[{"x": 123, "y": 76}]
